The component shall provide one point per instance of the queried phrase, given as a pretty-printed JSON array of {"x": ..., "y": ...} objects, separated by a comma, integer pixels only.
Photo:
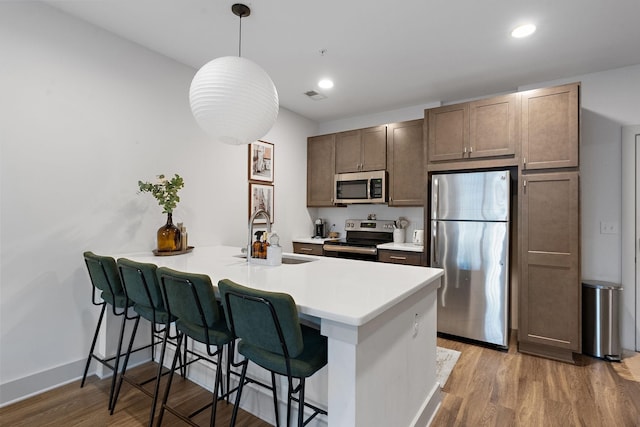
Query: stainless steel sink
[{"x": 295, "y": 260}]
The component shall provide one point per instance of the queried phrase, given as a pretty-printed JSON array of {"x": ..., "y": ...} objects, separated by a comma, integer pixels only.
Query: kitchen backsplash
[{"x": 338, "y": 216}]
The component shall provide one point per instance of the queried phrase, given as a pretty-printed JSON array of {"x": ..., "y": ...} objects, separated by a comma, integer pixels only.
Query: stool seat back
[{"x": 104, "y": 276}]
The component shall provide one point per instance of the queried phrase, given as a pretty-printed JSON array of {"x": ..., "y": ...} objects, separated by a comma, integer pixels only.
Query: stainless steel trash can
[{"x": 600, "y": 319}]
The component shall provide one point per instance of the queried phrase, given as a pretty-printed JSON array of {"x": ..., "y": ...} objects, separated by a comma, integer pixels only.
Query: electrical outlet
[
  {"x": 608, "y": 227},
  {"x": 416, "y": 325}
]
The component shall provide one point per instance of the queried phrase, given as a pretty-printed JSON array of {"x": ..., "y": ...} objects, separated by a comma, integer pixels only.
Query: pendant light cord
[
  {"x": 240, "y": 10},
  {"x": 240, "y": 39}
]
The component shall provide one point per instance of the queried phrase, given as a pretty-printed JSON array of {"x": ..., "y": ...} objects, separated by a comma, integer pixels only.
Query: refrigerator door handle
[
  {"x": 434, "y": 244},
  {"x": 435, "y": 199}
]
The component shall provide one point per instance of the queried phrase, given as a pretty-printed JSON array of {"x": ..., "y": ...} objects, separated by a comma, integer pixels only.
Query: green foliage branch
[{"x": 164, "y": 190}]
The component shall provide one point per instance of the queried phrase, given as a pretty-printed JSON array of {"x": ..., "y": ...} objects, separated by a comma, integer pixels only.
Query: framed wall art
[
  {"x": 261, "y": 197},
  {"x": 261, "y": 161}
]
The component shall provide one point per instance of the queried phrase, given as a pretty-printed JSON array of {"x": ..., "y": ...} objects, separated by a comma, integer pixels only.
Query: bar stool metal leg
[{"x": 93, "y": 344}]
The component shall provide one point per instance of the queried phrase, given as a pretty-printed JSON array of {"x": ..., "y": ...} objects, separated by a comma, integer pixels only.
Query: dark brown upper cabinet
[
  {"x": 472, "y": 131},
  {"x": 361, "y": 150},
  {"x": 321, "y": 160},
  {"x": 405, "y": 163}
]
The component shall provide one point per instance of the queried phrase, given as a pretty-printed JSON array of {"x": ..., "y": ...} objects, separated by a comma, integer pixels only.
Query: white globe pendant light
[{"x": 232, "y": 98}]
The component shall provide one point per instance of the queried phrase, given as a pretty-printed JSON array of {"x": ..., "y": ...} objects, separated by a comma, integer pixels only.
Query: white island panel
[{"x": 386, "y": 368}]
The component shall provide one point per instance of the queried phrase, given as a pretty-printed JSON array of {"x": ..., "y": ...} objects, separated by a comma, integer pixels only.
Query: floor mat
[{"x": 445, "y": 361}]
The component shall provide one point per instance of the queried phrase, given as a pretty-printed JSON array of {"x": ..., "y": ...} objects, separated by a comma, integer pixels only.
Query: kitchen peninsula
[{"x": 380, "y": 320}]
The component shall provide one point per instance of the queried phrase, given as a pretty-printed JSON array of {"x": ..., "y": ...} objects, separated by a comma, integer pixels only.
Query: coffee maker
[{"x": 319, "y": 230}]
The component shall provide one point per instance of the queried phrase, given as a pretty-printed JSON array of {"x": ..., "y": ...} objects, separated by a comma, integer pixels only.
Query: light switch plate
[{"x": 608, "y": 227}]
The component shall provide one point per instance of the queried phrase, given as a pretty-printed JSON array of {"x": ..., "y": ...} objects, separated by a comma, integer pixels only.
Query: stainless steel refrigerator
[{"x": 470, "y": 241}]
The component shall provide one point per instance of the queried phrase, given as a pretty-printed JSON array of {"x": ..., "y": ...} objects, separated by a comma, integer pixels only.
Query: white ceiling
[{"x": 383, "y": 54}]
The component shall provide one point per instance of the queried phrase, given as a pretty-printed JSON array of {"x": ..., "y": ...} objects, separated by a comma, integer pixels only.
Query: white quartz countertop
[
  {"x": 346, "y": 291},
  {"x": 409, "y": 247}
]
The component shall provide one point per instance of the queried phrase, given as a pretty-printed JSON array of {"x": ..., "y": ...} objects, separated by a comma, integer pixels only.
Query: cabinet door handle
[
  {"x": 470, "y": 150},
  {"x": 464, "y": 151},
  {"x": 307, "y": 249},
  {"x": 524, "y": 162},
  {"x": 401, "y": 258}
]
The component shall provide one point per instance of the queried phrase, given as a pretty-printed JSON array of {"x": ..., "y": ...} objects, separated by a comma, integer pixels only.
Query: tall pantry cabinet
[{"x": 549, "y": 227}]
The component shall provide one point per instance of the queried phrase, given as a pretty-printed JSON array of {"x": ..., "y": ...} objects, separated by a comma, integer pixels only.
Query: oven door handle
[{"x": 350, "y": 249}]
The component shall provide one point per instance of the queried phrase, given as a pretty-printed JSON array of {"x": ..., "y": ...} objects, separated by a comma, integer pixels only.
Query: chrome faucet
[{"x": 250, "y": 235}]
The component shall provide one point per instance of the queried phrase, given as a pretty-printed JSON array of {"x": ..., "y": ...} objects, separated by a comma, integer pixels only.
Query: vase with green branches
[{"x": 165, "y": 192}]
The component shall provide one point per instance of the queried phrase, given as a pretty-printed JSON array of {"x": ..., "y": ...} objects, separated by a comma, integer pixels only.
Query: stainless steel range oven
[{"x": 361, "y": 241}]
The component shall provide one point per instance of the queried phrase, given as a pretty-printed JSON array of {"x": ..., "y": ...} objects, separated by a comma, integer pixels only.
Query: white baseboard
[
  {"x": 32, "y": 385},
  {"x": 429, "y": 408}
]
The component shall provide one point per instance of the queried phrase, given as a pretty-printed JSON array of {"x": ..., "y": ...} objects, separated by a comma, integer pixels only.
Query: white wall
[
  {"x": 393, "y": 116},
  {"x": 85, "y": 115}
]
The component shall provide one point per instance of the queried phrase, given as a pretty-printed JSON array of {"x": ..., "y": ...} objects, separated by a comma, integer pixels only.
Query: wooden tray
[{"x": 170, "y": 253}]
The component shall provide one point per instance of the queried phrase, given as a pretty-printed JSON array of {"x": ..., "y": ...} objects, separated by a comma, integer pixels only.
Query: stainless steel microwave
[{"x": 361, "y": 187}]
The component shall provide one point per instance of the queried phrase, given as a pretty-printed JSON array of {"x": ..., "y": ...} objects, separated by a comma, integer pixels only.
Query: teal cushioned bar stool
[
  {"x": 191, "y": 299},
  {"x": 141, "y": 288},
  {"x": 272, "y": 337},
  {"x": 105, "y": 280}
]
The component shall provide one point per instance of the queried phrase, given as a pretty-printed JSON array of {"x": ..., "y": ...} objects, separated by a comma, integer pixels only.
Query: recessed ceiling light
[
  {"x": 325, "y": 84},
  {"x": 523, "y": 31}
]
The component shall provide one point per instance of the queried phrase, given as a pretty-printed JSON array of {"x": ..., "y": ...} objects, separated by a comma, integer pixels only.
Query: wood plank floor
[
  {"x": 71, "y": 405},
  {"x": 486, "y": 388},
  {"x": 494, "y": 388}
]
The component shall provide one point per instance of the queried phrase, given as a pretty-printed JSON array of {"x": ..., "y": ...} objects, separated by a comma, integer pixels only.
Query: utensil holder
[{"x": 398, "y": 235}]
